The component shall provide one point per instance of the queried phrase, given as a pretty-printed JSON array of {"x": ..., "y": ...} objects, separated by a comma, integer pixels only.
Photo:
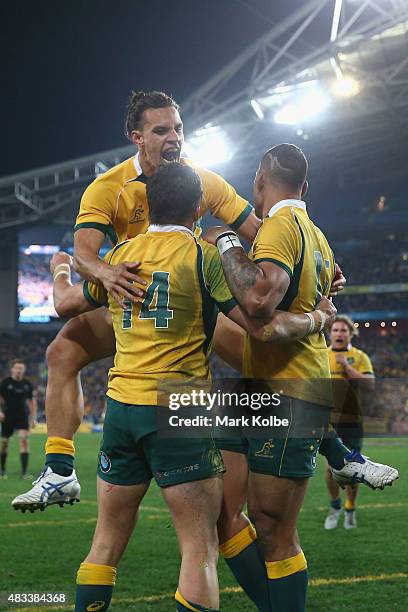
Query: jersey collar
[
  {"x": 283, "y": 203},
  {"x": 169, "y": 228},
  {"x": 137, "y": 165},
  {"x": 342, "y": 350}
]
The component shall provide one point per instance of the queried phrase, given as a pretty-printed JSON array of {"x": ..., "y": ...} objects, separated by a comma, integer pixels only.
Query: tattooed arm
[{"x": 259, "y": 288}]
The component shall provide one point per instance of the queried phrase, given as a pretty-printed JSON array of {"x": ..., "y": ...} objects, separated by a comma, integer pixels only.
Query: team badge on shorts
[
  {"x": 266, "y": 450},
  {"x": 104, "y": 462}
]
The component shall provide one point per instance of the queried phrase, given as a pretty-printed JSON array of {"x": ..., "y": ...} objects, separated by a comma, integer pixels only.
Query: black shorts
[{"x": 12, "y": 423}]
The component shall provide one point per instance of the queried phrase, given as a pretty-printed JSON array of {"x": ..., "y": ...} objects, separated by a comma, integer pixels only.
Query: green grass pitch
[{"x": 362, "y": 570}]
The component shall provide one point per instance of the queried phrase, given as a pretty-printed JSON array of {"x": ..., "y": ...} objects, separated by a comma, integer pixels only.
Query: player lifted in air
[
  {"x": 115, "y": 205},
  {"x": 165, "y": 337},
  {"x": 18, "y": 412},
  {"x": 353, "y": 373}
]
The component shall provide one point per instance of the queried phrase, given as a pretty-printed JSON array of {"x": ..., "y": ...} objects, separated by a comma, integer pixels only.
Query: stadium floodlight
[
  {"x": 257, "y": 109},
  {"x": 208, "y": 146},
  {"x": 346, "y": 87},
  {"x": 302, "y": 107}
]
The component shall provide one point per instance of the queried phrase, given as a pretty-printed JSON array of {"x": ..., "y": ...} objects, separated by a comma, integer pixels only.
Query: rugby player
[
  {"x": 166, "y": 337},
  {"x": 347, "y": 363},
  {"x": 290, "y": 266},
  {"x": 115, "y": 205},
  {"x": 18, "y": 412}
]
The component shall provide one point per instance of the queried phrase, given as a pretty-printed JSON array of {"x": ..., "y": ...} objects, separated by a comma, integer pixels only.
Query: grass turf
[{"x": 364, "y": 569}]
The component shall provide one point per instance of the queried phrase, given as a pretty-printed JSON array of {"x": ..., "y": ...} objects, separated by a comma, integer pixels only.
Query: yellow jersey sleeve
[
  {"x": 364, "y": 365},
  {"x": 95, "y": 294},
  {"x": 221, "y": 200},
  {"x": 215, "y": 280},
  {"x": 98, "y": 209},
  {"x": 278, "y": 241}
]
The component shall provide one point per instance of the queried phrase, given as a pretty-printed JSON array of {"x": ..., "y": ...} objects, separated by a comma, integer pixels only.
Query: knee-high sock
[
  {"x": 60, "y": 455},
  {"x": 94, "y": 587},
  {"x": 24, "y": 462},
  {"x": 182, "y": 605},
  {"x": 3, "y": 458},
  {"x": 287, "y": 581},
  {"x": 244, "y": 560},
  {"x": 334, "y": 450}
]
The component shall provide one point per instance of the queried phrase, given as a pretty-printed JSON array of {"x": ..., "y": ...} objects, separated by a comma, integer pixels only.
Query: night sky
[{"x": 68, "y": 67}]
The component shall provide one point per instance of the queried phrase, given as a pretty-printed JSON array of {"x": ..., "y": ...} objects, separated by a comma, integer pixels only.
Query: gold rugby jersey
[
  {"x": 346, "y": 395},
  {"x": 288, "y": 238},
  {"x": 116, "y": 204},
  {"x": 168, "y": 335}
]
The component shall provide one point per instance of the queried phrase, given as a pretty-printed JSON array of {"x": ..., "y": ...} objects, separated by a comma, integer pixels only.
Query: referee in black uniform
[{"x": 18, "y": 411}]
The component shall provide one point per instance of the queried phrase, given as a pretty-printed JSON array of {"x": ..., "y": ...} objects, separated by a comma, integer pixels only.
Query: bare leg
[
  {"x": 84, "y": 339},
  {"x": 232, "y": 518},
  {"x": 351, "y": 494},
  {"x": 23, "y": 441},
  {"x": 274, "y": 505},
  {"x": 195, "y": 508},
  {"x": 117, "y": 512}
]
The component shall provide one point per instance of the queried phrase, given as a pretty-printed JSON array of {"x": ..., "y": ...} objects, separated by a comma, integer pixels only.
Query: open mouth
[{"x": 171, "y": 155}]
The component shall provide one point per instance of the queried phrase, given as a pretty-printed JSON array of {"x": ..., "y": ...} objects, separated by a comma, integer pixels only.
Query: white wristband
[
  {"x": 311, "y": 324},
  {"x": 319, "y": 312},
  {"x": 227, "y": 241},
  {"x": 62, "y": 269}
]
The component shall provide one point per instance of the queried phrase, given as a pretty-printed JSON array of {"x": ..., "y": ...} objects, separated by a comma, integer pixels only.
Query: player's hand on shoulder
[
  {"x": 212, "y": 233},
  {"x": 122, "y": 281},
  {"x": 328, "y": 310},
  {"x": 339, "y": 281},
  {"x": 60, "y": 258}
]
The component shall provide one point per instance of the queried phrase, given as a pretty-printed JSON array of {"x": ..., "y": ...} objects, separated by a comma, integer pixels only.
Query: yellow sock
[
  {"x": 92, "y": 573},
  {"x": 286, "y": 567},
  {"x": 240, "y": 541},
  {"x": 56, "y": 445},
  {"x": 180, "y": 599},
  {"x": 349, "y": 505}
]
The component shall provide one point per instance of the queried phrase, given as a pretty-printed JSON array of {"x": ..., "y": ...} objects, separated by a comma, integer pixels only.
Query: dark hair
[
  {"x": 286, "y": 164},
  {"x": 14, "y": 361},
  {"x": 173, "y": 193},
  {"x": 140, "y": 101}
]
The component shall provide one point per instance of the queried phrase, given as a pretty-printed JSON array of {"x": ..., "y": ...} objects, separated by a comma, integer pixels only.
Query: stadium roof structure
[{"x": 351, "y": 141}]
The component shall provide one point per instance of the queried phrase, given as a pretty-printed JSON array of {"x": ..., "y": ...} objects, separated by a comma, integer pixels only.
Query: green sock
[
  {"x": 59, "y": 463},
  {"x": 244, "y": 559},
  {"x": 287, "y": 591},
  {"x": 24, "y": 463},
  {"x": 94, "y": 587},
  {"x": 334, "y": 450},
  {"x": 93, "y": 597}
]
